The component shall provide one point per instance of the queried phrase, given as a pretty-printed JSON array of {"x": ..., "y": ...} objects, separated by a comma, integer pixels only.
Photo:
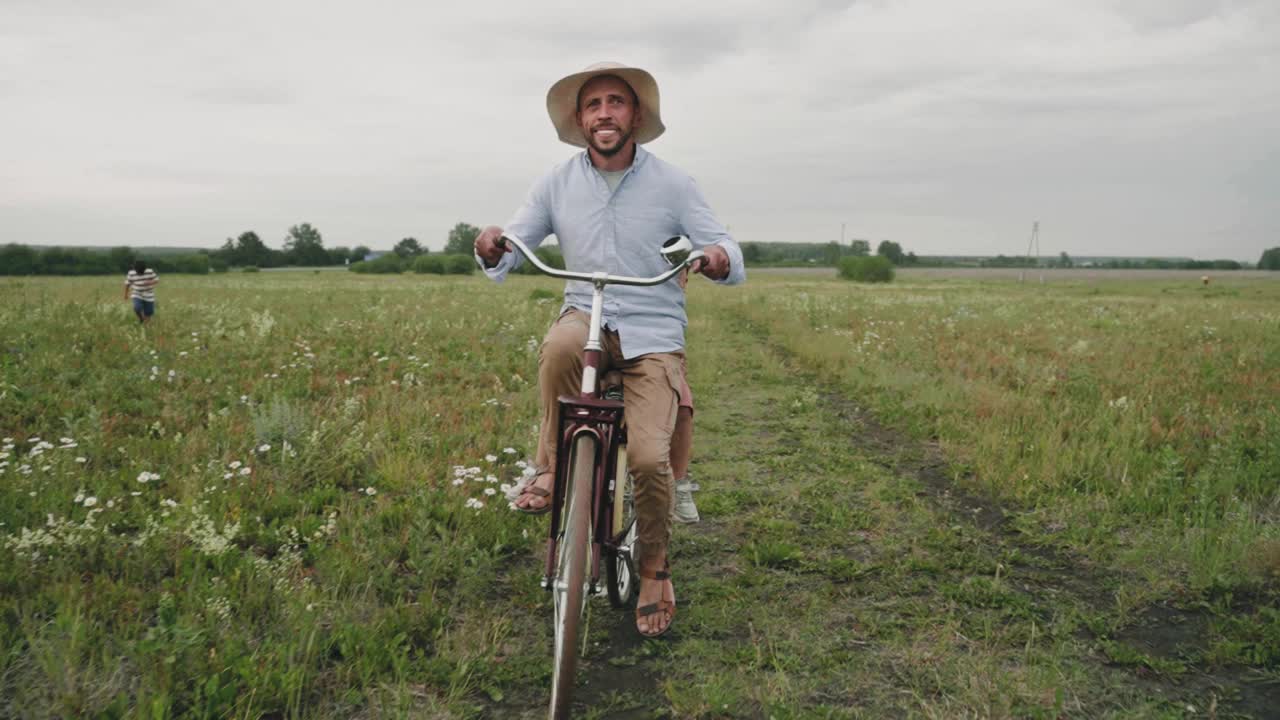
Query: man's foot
[
  {"x": 535, "y": 497},
  {"x": 685, "y": 511},
  {"x": 656, "y": 606}
]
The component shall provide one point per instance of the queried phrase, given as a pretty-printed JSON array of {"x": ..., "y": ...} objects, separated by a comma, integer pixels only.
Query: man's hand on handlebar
[
  {"x": 487, "y": 245},
  {"x": 714, "y": 264}
]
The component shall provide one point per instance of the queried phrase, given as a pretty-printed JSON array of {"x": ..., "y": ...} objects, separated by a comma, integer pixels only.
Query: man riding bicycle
[{"x": 611, "y": 208}]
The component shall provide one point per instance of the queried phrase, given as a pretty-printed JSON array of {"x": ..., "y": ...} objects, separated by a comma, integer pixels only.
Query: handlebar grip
[{"x": 501, "y": 242}]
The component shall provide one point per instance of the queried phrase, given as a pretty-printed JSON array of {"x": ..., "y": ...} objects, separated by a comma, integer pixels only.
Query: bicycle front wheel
[{"x": 573, "y": 552}]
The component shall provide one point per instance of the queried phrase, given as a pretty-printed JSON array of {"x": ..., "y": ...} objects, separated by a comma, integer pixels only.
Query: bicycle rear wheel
[
  {"x": 620, "y": 566},
  {"x": 573, "y": 553}
]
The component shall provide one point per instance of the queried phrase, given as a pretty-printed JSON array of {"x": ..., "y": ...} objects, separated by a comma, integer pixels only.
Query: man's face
[{"x": 607, "y": 114}]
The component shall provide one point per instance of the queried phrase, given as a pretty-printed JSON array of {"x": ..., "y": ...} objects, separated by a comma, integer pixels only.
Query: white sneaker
[{"x": 685, "y": 511}]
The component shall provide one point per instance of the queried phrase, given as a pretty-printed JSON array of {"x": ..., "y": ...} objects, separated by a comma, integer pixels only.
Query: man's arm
[
  {"x": 724, "y": 262},
  {"x": 531, "y": 223}
]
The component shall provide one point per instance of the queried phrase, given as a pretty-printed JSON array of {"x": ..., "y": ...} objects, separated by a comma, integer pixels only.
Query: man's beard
[{"x": 609, "y": 152}]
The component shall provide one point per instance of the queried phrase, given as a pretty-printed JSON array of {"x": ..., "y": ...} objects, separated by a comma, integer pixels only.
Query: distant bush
[
  {"x": 872, "y": 269},
  {"x": 188, "y": 264},
  {"x": 433, "y": 264},
  {"x": 459, "y": 264},
  {"x": 444, "y": 264},
  {"x": 548, "y": 255},
  {"x": 387, "y": 264},
  {"x": 249, "y": 268}
]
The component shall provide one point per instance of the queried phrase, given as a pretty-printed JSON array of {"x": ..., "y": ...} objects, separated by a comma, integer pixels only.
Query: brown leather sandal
[
  {"x": 535, "y": 491},
  {"x": 662, "y": 606}
]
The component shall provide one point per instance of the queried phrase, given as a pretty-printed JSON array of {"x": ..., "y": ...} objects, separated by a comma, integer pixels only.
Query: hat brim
[{"x": 562, "y": 103}]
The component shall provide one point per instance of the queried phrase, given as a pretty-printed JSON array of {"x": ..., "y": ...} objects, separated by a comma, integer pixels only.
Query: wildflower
[
  {"x": 234, "y": 464},
  {"x": 33, "y": 440},
  {"x": 64, "y": 440},
  {"x": 90, "y": 501},
  {"x": 79, "y": 498},
  {"x": 509, "y": 451},
  {"x": 491, "y": 458},
  {"x": 244, "y": 471},
  {"x": 489, "y": 491},
  {"x": 264, "y": 448},
  {"x": 135, "y": 493},
  {"x": 227, "y": 476},
  {"x": 474, "y": 503},
  {"x": 111, "y": 503},
  {"x": 82, "y": 459},
  {"x": 370, "y": 491},
  {"x": 145, "y": 477},
  {"x": 68, "y": 446},
  {"x": 522, "y": 464},
  {"x": 457, "y": 481}
]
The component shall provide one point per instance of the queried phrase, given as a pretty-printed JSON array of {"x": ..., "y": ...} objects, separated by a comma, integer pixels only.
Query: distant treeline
[
  {"x": 24, "y": 260},
  {"x": 452, "y": 264},
  {"x": 1064, "y": 261},
  {"x": 304, "y": 247},
  {"x": 829, "y": 253}
]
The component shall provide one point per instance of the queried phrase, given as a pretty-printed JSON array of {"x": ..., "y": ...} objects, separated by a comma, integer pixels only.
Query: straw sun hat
[{"x": 562, "y": 102}]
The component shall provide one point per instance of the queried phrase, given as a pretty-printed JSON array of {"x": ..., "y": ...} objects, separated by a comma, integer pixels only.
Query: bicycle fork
[{"x": 600, "y": 419}]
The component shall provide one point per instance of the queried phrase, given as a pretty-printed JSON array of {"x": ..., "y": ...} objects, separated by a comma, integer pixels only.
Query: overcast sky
[{"x": 1131, "y": 127}]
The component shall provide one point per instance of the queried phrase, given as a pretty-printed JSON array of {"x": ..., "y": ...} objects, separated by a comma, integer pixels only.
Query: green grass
[{"x": 311, "y": 546}]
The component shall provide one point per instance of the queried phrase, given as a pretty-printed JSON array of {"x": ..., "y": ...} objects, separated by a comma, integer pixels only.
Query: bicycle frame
[{"x": 589, "y": 413}]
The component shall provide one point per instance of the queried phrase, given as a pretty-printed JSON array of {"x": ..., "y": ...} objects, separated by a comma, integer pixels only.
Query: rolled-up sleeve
[
  {"x": 703, "y": 229},
  {"x": 531, "y": 223}
]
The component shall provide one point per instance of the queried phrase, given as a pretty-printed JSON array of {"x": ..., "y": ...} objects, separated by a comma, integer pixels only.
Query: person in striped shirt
[{"x": 140, "y": 286}]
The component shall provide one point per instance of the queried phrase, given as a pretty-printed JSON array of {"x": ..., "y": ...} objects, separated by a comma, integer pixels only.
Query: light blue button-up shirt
[{"x": 621, "y": 233}]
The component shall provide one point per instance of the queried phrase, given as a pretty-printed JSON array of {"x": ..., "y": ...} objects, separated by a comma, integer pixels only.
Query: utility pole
[{"x": 1034, "y": 242}]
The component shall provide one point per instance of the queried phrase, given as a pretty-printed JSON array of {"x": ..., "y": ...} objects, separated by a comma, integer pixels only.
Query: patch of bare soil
[{"x": 1180, "y": 635}]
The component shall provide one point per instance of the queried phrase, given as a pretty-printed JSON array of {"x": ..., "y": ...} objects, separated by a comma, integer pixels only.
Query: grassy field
[{"x": 940, "y": 498}]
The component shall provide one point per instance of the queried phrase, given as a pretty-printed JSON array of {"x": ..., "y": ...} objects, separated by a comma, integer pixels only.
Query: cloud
[{"x": 944, "y": 126}]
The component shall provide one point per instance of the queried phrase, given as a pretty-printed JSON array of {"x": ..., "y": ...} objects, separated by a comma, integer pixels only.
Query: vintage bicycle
[{"x": 593, "y": 520}]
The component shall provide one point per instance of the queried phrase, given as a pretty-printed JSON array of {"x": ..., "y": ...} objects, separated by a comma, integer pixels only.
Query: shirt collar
[{"x": 641, "y": 156}]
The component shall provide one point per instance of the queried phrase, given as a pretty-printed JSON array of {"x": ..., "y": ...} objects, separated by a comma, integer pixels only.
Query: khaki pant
[{"x": 651, "y": 385}]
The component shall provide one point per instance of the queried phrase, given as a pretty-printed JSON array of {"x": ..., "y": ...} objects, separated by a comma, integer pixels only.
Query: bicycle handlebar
[{"x": 598, "y": 277}]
